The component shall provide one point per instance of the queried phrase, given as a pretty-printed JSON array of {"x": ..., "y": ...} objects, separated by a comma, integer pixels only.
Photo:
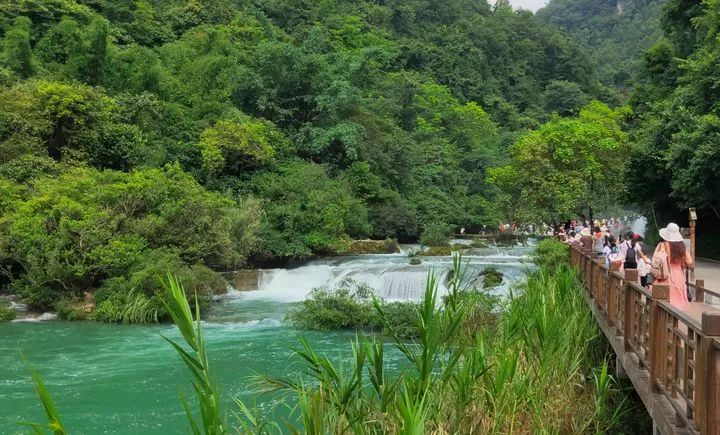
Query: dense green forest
[
  {"x": 676, "y": 127},
  {"x": 137, "y": 136},
  {"x": 614, "y": 32}
]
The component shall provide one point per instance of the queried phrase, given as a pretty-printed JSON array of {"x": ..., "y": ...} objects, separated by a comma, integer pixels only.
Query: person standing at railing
[{"x": 669, "y": 263}]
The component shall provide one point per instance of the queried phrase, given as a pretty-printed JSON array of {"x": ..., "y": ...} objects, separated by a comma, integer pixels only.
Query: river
[{"x": 125, "y": 379}]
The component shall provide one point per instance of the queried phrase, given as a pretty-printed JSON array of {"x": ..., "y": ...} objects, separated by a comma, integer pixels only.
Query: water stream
[{"x": 127, "y": 380}]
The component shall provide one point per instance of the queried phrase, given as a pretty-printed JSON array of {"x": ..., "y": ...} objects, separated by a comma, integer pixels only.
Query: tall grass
[
  {"x": 534, "y": 372},
  {"x": 196, "y": 360},
  {"x": 54, "y": 424}
]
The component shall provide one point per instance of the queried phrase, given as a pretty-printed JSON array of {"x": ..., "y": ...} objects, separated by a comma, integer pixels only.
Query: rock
[
  {"x": 243, "y": 280},
  {"x": 415, "y": 261},
  {"x": 387, "y": 246}
]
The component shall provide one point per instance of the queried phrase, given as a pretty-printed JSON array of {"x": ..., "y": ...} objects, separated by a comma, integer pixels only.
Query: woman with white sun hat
[{"x": 670, "y": 261}]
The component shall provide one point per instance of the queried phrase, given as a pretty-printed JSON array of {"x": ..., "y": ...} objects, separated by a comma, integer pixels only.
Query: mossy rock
[
  {"x": 415, "y": 261},
  {"x": 491, "y": 277},
  {"x": 387, "y": 246}
]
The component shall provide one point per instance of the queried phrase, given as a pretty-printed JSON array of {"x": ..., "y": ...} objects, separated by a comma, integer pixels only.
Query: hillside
[
  {"x": 615, "y": 32},
  {"x": 141, "y": 136}
]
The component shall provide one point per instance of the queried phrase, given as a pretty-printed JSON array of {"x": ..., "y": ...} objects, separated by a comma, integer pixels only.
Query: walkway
[
  {"x": 671, "y": 356},
  {"x": 709, "y": 271}
]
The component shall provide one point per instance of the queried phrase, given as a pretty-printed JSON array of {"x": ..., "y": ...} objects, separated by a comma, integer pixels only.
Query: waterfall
[
  {"x": 390, "y": 281},
  {"x": 390, "y": 276}
]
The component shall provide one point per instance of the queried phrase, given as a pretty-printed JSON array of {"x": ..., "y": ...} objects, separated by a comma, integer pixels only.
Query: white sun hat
[
  {"x": 585, "y": 232},
  {"x": 671, "y": 233}
]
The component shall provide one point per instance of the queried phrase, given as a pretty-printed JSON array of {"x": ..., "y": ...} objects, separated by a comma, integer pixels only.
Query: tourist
[
  {"x": 610, "y": 250},
  {"x": 598, "y": 240},
  {"x": 670, "y": 261},
  {"x": 631, "y": 251}
]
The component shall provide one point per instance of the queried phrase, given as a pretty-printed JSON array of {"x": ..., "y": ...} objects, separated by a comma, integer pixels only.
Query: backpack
[
  {"x": 659, "y": 268},
  {"x": 630, "y": 258}
]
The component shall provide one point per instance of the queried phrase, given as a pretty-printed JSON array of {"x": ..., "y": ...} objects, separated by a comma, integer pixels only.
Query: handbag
[{"x": 659, "y": 268}]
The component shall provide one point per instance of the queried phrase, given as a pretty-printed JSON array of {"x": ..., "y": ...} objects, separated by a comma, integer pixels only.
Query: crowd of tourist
[{"x": 610, "y": 239}]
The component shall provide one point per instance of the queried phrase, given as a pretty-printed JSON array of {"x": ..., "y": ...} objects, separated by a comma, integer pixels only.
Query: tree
[
  {"x": 69, "y": 233},
  {"x": 567, "y": 167},
  {"x": 91, "y": 65},
  {"x": 18, "y": 54},
  {"x": 235, "y": 147}
]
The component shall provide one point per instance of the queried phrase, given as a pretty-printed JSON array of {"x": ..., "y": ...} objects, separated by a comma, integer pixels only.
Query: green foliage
[
  {"x": 566, "y": 166},
  {"x": 463, "y": 372},
  {"x": 405, "y": 105},
  {"x": 348, "y": 306},
  {"x": 551, "y": 254},
  {"x": 73, "y": 232},
  {"x": 492, "y": 277},
  {"x": 66, "y": 311},
  {"x": 237, "y": 147},
  {"x": 54, "y": 422},
  {"x": 18, "y": 54},
  {"x": 306, "y": 211},
  {"x": 196, "y": 359},
  {"x": 6, "y": 314},
  {"x": 436, "y": 234},
  {"x": 615, "y": 33},
  {"x": 676, "y": 125}
]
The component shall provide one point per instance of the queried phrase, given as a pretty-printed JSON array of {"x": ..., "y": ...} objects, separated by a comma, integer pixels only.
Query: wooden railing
[{"x": 677, "y": 353}]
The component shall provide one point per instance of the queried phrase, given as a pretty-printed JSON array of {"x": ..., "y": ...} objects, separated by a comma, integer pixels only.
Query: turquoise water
[{"x": 125, "y": 379}]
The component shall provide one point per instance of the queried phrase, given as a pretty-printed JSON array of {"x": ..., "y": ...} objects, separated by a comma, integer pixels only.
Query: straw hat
[
  {"x": 585, "y": 232},
  {"x": 671, "y": 233}
]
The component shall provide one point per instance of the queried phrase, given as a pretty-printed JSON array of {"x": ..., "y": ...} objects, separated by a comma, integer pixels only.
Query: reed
[
  {"x": 196, "y": 360},
  {"x": 534, "y": 371},
  {"x": 54, "y": 424}
]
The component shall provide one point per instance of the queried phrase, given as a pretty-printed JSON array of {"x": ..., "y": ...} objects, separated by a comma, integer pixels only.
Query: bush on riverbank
[
  {"x": 6, "y": 314},
  {"x": 89, "y": 229},
  {"x": 436, "y": 234},
  {"x": 551, "y": 254}
]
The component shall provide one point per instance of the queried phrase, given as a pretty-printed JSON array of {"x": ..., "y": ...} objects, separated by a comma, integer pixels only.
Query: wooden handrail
[{"x": 680, "y": 353}]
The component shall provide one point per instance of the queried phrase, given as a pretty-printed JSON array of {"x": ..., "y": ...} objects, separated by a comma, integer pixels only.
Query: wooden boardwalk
[{"x": 671, "y": 356}]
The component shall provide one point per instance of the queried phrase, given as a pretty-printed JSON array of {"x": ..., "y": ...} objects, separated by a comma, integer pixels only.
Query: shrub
[
  {"x": 436, "y": 234},
  {"x": 6, "y": 314},
  {"x": 348, "y": 306},
  {"x": 66, "y": 311},
  {"x": 110, "y": 310},
  {"x": 551, "y": 254},
  {"x": 402, "y": 317},
  {"x": 77, "y": 230}
]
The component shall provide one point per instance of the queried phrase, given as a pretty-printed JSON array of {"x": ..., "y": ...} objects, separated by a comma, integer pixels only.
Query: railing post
[
  {"x": 629, "y": 314},
  {"x": 699, "y": 290},
  {"x": 612, "y": 294},
  {"x": 599, "y": 288},
  {"x": 656, "y": 346},
  {"x": 707, "y": 376}
]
